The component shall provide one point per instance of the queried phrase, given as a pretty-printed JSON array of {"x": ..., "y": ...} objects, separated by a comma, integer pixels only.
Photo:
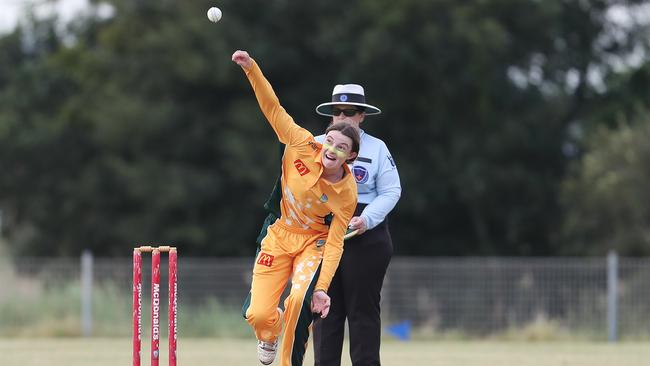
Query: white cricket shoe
[{"x": 266, "y": 351}]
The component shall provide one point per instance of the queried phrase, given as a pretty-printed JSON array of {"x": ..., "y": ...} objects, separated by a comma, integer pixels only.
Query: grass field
[{"x": 236, "y": 352}]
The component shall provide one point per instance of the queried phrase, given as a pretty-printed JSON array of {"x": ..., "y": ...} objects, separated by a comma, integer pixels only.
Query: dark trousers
[{"x": 355, "y": 293}]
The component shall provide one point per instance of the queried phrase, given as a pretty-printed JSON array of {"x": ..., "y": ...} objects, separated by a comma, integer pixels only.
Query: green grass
[
  {"x": 55, "y": 312},
  {"x": 235, "y": 352}
]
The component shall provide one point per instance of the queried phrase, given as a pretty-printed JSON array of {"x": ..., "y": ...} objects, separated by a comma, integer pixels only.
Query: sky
[{"x": 12, "y": 10}]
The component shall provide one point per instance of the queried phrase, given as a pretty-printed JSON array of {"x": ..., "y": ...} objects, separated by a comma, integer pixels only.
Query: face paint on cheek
[{"x": 332, "y": 149}]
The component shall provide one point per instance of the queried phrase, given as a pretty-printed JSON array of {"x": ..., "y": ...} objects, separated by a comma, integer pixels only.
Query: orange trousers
[{"x": 284, "y": 254}]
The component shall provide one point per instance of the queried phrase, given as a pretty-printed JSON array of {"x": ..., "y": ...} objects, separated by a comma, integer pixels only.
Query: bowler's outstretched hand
[
  {"x": 243, "y": 59},
  {"x": 320, "y": 303}
]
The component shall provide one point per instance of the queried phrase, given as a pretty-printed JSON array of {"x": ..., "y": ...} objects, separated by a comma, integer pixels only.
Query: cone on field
[{"x": 401, "y": 331}]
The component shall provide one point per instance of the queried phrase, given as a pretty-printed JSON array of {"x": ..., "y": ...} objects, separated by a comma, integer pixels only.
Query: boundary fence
[{"x": 602, "y": 298}]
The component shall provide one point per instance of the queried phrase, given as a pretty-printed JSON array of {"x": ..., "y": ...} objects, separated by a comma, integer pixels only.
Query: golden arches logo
[{"x": 265, "y": 259}]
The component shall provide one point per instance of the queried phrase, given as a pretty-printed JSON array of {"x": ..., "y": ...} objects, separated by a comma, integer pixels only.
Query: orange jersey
[{"x": 307, "y": 199}]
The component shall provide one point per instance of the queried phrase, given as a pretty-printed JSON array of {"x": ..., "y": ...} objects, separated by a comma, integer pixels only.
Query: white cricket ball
[{"x": 214, "y": 14}]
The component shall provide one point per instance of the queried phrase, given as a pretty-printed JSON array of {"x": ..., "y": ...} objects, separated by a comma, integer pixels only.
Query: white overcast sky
[{"x": 12, "y": 10}]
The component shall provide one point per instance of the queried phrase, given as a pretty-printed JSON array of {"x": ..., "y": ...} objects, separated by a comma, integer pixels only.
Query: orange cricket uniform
[{"x": 299, "y": 245}]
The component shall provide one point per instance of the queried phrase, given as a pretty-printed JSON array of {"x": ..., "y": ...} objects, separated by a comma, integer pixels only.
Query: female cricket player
[{"x": 316, "y": 183}]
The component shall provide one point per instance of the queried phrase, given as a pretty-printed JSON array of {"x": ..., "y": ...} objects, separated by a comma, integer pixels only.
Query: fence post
[
  {"x": 612, "y": 296},
  {"x": 86, "y": 293}
]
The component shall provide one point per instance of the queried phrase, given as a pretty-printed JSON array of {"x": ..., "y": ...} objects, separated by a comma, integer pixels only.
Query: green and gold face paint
[{"x": 341, "y": 154}]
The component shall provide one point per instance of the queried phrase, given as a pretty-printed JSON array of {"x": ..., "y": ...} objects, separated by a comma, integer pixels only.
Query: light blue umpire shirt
[{"x": 377, "y": 179}]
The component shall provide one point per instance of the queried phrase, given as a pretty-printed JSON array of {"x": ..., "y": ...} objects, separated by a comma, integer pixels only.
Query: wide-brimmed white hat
[{"x": 347, "y": 94}]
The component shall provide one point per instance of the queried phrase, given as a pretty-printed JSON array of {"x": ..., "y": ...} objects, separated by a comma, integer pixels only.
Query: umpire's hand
[
  {"x": 358, "y": 223},
  {"x": 320, "y": 303}
]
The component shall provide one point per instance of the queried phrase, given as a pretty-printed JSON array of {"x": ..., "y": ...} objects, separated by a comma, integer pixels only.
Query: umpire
[{"x": 356, "y": 287}]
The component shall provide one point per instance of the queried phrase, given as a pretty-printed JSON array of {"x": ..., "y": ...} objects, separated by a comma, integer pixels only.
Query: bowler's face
[{"x": 336, "y": 150}]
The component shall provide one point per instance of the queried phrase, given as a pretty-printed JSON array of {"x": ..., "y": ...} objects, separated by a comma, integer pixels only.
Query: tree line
[{"x": 518, "y": 127}]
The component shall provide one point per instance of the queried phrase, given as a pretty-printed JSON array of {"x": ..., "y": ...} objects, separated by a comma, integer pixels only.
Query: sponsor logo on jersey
[
  {"x": 313, "y": 145},
  {"x": 360, "y": 174},
  {"x": 323, "y": 198},
  {"x": 320, "y": 243},
  {"x": 301, "y": 167},
  {"x": 265, "y": 259}
]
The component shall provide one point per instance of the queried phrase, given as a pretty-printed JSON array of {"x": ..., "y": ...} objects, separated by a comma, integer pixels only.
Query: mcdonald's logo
[
  {"x": 265, "y": 259},
  {"x": 301, "y": 167}
]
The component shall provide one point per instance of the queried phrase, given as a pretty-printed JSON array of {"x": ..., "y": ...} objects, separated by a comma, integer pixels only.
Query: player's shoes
[{"x": 266, "y": 351}]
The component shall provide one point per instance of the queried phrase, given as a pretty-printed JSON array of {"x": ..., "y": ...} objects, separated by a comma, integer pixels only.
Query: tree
[
  {"x": 485, "y": 94},
  {"x": 606, "y": 199},
  {"x": 137, "y": 128}
]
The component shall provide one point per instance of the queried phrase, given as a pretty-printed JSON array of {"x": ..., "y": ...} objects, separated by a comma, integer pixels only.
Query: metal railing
[{"x": 608, "y": 298}]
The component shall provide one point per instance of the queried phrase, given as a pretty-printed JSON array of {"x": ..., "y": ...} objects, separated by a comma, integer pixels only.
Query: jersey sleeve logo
[
  {"x": 265, "y": 259},
  {"x": 360, "y": 174},
  {"x": 301, "y": 167},
  {"x": 390, "y": 158}
]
